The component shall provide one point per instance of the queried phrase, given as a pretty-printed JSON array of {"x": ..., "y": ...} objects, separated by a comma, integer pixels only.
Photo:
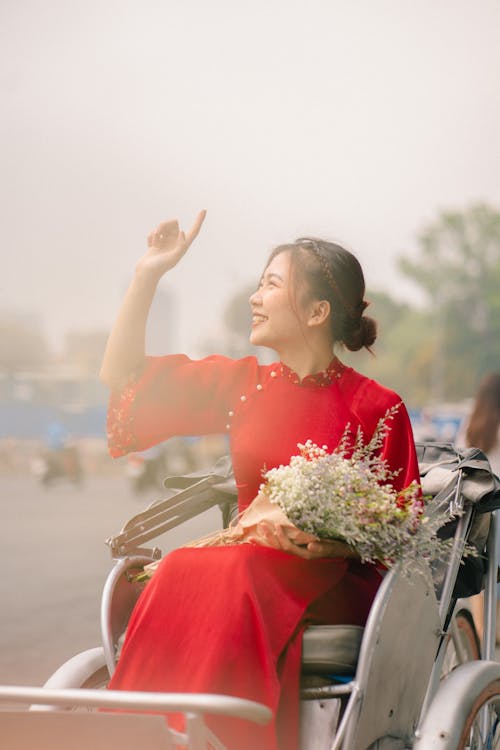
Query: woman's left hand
[{"x": 302, "y": 544}]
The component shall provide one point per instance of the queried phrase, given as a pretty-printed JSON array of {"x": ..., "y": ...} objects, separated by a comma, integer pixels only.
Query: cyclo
[{"x": 415, "y": 677}]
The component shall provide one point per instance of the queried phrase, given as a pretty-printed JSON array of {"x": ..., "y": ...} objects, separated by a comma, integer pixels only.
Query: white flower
[{"x": 348, "y": 495}]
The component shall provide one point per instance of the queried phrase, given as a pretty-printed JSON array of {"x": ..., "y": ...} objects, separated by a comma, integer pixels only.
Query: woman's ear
[{"x": 319, "y": 313}]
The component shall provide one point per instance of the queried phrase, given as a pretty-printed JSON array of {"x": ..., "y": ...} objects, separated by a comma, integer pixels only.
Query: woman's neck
[{"x": 307, "y": 361}]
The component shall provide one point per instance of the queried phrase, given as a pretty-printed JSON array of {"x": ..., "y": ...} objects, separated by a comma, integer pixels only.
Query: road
[{"x": 54, "y": 564}]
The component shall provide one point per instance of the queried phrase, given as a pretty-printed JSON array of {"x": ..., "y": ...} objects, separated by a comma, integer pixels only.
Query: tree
[
  {"x": 459, "y": 271},
  {"x": 401, "y": 353}
]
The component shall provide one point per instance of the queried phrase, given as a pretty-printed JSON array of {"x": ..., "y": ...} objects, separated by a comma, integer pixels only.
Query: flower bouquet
[{"x": 345, "y": 495}]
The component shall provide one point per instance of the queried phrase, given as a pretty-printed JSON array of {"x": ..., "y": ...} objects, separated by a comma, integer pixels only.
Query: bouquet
[{"x": 345, "y": 495}]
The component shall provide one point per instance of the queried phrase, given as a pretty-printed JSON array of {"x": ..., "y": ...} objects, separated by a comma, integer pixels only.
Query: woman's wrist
[{"x": 144, "y": 281}]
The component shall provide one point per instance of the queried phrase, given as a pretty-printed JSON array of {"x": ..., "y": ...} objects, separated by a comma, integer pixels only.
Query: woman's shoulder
[
  {"x": 363, "y": 388},
  {"x": 214, "y": 370},
  {"x": 371, "y": 402},
  {"x": 166, "y": 374},
  {"x": 368, "y": 399}
]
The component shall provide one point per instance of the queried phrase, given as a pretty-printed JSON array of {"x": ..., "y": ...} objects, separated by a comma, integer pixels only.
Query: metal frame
[{"x": 196, "y": 736}]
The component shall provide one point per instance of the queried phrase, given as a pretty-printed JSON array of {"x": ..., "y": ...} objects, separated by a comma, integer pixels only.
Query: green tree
[
  {"x": 458, "y": 269},
  {"x": 402, "y": 352}
]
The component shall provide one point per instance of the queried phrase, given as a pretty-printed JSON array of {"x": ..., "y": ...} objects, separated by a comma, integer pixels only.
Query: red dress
[{"x": 229, "y": 620}]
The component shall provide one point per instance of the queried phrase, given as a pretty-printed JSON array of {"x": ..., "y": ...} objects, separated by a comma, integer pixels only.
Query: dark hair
[
  {"x": 332, "y": 273},
  {"x": 484, "y": 421}
]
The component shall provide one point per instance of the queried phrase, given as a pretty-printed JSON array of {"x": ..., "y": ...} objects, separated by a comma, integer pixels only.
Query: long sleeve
[{"x": 175, "y": 395}]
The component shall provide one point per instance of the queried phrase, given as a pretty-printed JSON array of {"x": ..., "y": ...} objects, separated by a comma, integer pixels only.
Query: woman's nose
[{"x": 255, "y": 298}]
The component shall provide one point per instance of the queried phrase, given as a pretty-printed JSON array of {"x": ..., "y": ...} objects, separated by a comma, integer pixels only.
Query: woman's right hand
[{"x": 166, "y": 246}]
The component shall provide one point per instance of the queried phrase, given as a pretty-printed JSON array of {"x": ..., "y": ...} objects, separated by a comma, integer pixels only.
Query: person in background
[{"x": 483, "y": 432}]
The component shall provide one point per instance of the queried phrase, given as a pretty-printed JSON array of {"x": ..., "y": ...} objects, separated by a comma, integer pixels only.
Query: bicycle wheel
[
  {"x": 481, "y": 729},
  {"x": 98, "y": 680},
  {"x": 464, "y": 712},
  {"x": 84, "y": 670},
  {"x": 462, "y": 643}
]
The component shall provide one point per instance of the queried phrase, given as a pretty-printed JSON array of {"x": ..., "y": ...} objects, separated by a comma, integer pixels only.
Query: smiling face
[{"x": 278, "y": 315}]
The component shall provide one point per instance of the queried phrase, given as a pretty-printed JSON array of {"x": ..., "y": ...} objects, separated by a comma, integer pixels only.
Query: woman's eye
[{"x": 266, "y": 283}]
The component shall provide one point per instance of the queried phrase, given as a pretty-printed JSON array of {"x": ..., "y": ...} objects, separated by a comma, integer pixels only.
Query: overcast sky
[{"x": 358, "y": 121}]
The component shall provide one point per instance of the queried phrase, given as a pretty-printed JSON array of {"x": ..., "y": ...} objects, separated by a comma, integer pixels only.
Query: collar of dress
[{"x": 323, "y": 378}]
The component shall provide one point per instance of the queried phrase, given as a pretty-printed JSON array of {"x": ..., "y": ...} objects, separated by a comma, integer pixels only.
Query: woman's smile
[
  {"x": 274, "y": 321},
  {"x": 258, "y": 318}
]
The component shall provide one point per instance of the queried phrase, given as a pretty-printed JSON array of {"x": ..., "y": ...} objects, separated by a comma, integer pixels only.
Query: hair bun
[{"x": 362, "y": 334}]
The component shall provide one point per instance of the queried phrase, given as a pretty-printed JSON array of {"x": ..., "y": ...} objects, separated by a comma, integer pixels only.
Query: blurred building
[{"x": 32, "y": 399}]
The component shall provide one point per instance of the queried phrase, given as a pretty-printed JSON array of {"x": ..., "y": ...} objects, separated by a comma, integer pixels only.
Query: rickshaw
[{"x": 415, "y": 677}]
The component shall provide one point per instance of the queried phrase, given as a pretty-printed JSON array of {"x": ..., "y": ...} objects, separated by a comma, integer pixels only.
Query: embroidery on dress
[
  {"x": 121, "y": 433},
  {"x": 324, "y": 378}
]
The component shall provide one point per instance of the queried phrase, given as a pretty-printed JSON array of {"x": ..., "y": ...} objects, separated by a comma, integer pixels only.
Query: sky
[{"x": 353, "y": 120}]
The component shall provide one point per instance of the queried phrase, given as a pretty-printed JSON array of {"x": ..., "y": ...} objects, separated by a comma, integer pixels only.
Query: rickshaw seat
[{"x": 331, "y": 649}]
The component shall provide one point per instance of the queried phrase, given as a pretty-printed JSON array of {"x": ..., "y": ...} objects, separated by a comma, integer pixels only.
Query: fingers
[
  {"x": 169, "y": 230},
  {"x": 301, "y": 544},
  {"x": 320, "y": 549},
  {"x": 287, "y": 545},
  {"x": 163, "y": 234},
  {"x": 274, "y": 535},
  {"x": 194, "y": 231},
  {"x": 331, "y": 549},
  {"x": 267, "y": 533}
]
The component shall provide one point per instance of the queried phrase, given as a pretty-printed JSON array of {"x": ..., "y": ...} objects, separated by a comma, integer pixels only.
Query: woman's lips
[{"x": 258, "y": 318}]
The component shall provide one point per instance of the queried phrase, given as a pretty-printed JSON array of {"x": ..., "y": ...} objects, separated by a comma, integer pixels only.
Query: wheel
[
  {"x": 481, "y": 728},
  {"x": 464, "y": 712},
  {"x": 84, "y": 670},
  {"x": 462, "y": 643},
  {"x": 98, "y": 680}
]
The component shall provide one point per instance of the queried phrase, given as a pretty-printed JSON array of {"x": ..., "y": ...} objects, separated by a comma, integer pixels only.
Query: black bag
[{"x": 462, "y": 476}]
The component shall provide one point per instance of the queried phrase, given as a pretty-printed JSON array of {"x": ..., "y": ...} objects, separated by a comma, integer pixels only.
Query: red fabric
[{"x": 230, "y": 619}]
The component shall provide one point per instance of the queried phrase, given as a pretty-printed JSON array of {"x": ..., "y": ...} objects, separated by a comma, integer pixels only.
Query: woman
[
  {"x": 230, "y": 619},
  {"x": 483, "y": 429},
  {"x": 483, "y": 432}
]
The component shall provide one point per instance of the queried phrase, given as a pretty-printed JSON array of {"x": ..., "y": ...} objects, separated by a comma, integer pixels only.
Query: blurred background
[{"x": 371, "y": 123}]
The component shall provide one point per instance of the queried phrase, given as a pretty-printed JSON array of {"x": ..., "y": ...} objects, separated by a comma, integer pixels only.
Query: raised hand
[
  {"x": 166, "y": 246},
  {"x": 125, "y": 350}
]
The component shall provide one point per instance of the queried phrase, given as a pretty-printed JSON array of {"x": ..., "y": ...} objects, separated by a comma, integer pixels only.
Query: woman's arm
[{"x": 125, "y": 350}]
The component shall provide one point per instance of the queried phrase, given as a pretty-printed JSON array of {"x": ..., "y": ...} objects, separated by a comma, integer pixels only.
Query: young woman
[
  {"x": 483, "y": 432},
  {"x": 483, "y": 429},
  {"x": 230, "y": 619}
]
